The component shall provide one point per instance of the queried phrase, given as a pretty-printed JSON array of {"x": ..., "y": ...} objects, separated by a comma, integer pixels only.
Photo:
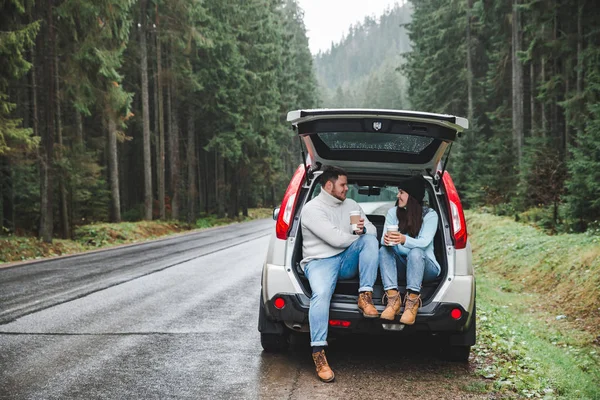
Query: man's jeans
[
  {"x": 415, "y": 267},
  {"x": 323, "y": 274}
]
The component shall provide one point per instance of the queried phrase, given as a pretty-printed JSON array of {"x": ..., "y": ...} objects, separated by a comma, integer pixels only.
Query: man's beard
[{"x": 339, "y": 197}]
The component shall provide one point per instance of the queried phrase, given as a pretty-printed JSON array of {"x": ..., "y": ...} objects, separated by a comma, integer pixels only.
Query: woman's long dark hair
[{"x": 410, "y": 218}]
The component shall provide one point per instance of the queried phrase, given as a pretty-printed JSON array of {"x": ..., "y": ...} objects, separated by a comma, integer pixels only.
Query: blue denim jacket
[{"x": 426, "y": 234}]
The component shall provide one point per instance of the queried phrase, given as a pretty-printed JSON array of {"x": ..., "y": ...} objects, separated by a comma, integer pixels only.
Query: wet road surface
[
  {"x": 41, "y": 284},
  {"x": 188, "y": 331}
]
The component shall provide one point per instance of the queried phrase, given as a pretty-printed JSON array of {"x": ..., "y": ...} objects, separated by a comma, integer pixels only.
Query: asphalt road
[{"x": 177, "y": 318}]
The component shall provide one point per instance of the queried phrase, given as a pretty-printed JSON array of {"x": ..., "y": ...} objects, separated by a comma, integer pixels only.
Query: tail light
[
  {"x": 339, "y": 323},
  {"x": 288, "y": 205},
  {"x": 455, "y": 210},
  {"x": 279, "y": 303},
  {"x": 456, "y": 313}
]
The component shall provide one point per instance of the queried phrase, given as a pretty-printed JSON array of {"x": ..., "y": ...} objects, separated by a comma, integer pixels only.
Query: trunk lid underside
[{"x": 377, "y": 141}]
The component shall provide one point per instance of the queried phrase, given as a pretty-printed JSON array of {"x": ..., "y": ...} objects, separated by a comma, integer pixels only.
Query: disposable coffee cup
[
  {"x": 354, "y": 219},
  {"x": 391, "y": 228}
]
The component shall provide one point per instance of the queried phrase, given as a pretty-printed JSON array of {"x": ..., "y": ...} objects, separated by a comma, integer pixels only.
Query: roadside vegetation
[
  {"x": 538, "y": 301},
  {"x": 101, "y": 235}
]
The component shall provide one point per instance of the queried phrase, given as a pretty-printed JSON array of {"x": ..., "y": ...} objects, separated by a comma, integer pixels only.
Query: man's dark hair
[{"x": 331, "y": 173}]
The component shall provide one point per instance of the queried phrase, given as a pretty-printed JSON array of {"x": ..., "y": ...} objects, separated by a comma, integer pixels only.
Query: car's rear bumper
[{"x": 434, "y": 318}]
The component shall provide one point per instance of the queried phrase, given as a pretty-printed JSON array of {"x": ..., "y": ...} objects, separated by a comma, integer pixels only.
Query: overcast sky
[{"x": 327, "y": 20}]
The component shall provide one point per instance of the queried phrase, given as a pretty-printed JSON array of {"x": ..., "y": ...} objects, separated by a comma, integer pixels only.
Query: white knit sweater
[{"x": 326, "y": 229}]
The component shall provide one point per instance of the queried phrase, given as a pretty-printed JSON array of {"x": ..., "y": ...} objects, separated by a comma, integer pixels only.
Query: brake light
[
  {"x": 455, "y": 210},
  {"x": 288, "y": 205},
  {"x": 339, "y": 323}
]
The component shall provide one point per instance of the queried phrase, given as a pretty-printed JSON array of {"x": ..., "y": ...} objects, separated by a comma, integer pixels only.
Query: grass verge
[
  {"x": 537, "y": 299},
  {"x": 101, "y": 235}
]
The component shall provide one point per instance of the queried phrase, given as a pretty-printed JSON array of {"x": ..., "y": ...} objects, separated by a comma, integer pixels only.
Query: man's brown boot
[
  {"x": 365, "y": 304},
  {"x": 323, "y": 370},
  {"x": 412, "y": 302},
  {"x": 393, "y": 305}
]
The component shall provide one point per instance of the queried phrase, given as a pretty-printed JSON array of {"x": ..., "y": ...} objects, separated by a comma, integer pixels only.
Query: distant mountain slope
[{"x": 361, "y": 70}]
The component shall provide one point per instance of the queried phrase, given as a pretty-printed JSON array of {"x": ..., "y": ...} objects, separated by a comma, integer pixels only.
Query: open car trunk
[
  {"x": 347, "y": 290},
  {"x": 378, "y": 148}
]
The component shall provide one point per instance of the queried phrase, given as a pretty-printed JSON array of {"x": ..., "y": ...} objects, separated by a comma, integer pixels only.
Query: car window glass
[
  {"x": 375, "y": 142},
  {"x": 373, "y": 204},
  {"x": 377, "y": 204}
]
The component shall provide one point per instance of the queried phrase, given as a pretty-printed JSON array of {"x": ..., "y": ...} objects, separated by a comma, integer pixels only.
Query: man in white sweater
[{"x": 332, "y": 251}]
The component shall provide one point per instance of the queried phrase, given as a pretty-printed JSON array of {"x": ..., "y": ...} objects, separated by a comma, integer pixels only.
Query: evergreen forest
[
  {"x": 151, "y": 109},
  {"x": 128, "y": 110},
  {"x": 526, "y": 73},
  {"x": 362, "y": 69}
]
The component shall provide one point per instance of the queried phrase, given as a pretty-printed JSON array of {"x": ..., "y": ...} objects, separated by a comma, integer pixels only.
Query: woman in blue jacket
[{"x": 409, "y": 251}]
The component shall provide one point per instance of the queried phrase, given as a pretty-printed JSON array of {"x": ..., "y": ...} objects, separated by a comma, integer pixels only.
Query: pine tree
[
  {"x": 145, "y": 111},
  {"x": 434, "y": 69},
  {"x": 229, "y": 73},
  {"x": 584, "y": 165},
  {"x": 95, "y": 35},
  {"x": 15, "y": 38}
]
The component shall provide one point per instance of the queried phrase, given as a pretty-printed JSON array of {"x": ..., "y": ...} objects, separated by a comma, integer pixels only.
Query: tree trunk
[
  {"x": 155, "y": 129},
  {"x": 470, "y": 112},
  {"x": 579, "y": 83},
  {"x": 567, "y": 130},
  {"x": 161, "y": 129},
  {"x": 205, "y": 195},
  {"x": 79, "y": 129},
  {"x": 7, "y": 196},
  {"x": 216, "y": 180},
  {"x": 34, "y": 97},
  {"x": 203, "y": 182},
  {"x": 543, "y": 80},
  {"x": 113, "y": 167},
  {"x": 517, "y": 84},
  {"x": 532, "y": 91},
  {"x": 191, "y": 166},
  {"x": 46, "y": 156},
  {"x": 62, "y": 188},
  {"x": 231, "y": 176},
  {"x": 220, "y": 184},
  {"x": 173, "y": 149},
  {"x": 145, "y": 116},
  {"x": 244, "y": 178},
  {"x": 556, "y": 132}
]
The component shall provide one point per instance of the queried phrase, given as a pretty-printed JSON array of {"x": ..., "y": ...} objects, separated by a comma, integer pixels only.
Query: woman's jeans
[
  {"x": 324, "y": 273},
  {"x": 415, "y": 267}
]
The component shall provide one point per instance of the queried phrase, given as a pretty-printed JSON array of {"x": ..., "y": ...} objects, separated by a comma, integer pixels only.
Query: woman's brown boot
[
  {"x": 412, "y": 302},
  {"x": 393, "y": 305}
]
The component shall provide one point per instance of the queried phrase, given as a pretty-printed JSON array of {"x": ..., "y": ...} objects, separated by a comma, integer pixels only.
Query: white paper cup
[
  {"x": 354, "y": 220},
  {"x": 391, "y": 228}
]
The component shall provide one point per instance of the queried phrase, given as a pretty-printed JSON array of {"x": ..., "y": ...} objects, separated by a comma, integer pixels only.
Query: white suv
[{"x": 378, "y": 149}]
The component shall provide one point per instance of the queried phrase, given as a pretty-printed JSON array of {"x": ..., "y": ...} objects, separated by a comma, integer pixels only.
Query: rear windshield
[{"x": 375, "y": 141}]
